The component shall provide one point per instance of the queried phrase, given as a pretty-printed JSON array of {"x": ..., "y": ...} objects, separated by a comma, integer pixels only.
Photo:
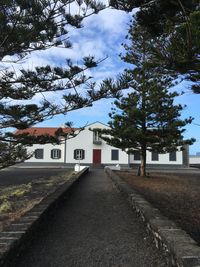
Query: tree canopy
[
  {"x": 174, "y": 27},
  {"x": 147, "y": 118},
  {"x": 27, "y": 27}
]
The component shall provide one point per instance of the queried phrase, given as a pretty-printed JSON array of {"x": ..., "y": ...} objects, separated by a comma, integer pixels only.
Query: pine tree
[
  {"x": 147, "y": 118},
  {"x": 175, "y": 33},
  {"x": 26, "y": 27}
]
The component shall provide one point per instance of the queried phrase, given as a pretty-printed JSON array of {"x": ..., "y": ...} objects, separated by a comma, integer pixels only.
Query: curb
[
  {"x": 15, "y": 238},
  {"x": 181, "y": 250}
]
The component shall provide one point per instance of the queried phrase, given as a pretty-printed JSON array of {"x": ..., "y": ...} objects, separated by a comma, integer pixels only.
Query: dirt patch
[
  {"x": 18, "y": 199},
  {"x": 177, "y": 196}
]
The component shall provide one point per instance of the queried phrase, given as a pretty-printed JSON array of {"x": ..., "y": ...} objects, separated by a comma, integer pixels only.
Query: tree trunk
[{"x": 143, "y": 162}]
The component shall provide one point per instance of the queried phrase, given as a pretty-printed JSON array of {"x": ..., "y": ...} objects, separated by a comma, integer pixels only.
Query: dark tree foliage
[
  {"x": 29, "y": 26},
  {"x": 147, "y": 118},
  {"x": 175, "y": 34}
]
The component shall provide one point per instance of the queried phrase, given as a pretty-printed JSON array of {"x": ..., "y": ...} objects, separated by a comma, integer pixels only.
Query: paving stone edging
[
  {"x": 180, "y": 249},
  {"x": 15, "y": 237}
]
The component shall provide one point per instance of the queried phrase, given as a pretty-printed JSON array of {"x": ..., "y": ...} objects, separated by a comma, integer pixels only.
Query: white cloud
[{"x": 109, "y": 20}]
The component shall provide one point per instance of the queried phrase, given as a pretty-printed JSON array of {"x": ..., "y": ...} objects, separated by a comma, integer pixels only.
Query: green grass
[
  {"x": 8, "y": 193},
  {"x": 5, "y": 206},
  {"x": 11, "y": 196},
  {"x": 22, "y": 190}
]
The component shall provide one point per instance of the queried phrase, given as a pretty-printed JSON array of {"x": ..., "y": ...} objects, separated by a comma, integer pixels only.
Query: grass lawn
[
  {"x": 177, "y": 196},
  {"x": 16, "y": 200}
]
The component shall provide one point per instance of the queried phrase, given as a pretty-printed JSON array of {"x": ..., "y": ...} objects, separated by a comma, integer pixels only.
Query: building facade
[
  {"x": 87, "y": 148},
  {"x": 194, "y": 160}
]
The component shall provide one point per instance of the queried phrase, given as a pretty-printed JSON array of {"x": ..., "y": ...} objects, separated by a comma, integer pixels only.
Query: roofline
[
  {"x": 44, "y": 127},
  {"x": 97, "y": 122},
  {"x": 57, "y": 127}
]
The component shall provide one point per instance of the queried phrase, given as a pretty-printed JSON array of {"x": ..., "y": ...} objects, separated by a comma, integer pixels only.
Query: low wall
[
  {"x": 194, "y": 160},
  {"x": 18, "y": 235},
  {"x": 180, "y": 249},
  {"x": 61, "y": 165}
]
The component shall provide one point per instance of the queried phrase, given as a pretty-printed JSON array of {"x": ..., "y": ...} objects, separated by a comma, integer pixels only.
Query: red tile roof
[{"x": 36, "y": 131}]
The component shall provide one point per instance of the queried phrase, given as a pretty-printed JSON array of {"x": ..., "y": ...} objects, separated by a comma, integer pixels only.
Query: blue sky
[{"x": 102, "y": 36}]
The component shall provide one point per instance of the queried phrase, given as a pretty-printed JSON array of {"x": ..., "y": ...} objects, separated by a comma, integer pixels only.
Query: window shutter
[
  {"x": 114, "y": 154},
  {"x": 39, "y": 153},
  {"x": 136, "y": 155},
  {"x": 42, "y": 153},
  {"x": 154, "y": 156},
  {"x": 79, "y": 152},
  {"x": 55, "y": 153},
  {"x": 75, "y": 153},
  {"x": 172, "y": 156},
  {"x": 59, "y": 153}
]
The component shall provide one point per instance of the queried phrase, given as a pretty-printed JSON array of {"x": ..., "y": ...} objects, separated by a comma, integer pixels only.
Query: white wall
[
  {"x": 194, "y": 159},
  {"x": 84, "y": 140},
  {"x": 47, "y": 153}
]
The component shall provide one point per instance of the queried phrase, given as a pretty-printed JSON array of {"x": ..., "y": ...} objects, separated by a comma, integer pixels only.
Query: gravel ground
[
  {"x": 94, "y": 227},
  {"x": 20, "y": 191},
  {"x": 175, "y": 194},
  {"x": 16, "y": 176}
]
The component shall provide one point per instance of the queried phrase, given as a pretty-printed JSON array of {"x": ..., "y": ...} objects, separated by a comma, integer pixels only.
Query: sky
[{"x": 101, "y": 36}]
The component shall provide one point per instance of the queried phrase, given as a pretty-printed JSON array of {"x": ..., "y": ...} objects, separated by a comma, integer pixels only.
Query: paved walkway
[{"x": 94, "y": 227}]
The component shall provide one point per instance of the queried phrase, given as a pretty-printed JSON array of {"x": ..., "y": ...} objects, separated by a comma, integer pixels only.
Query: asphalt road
[
  {"x": 12, "y": 176},
  {"x": 94, "y": 227}
]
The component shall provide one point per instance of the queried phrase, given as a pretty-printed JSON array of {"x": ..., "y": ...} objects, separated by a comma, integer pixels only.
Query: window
[
  {"x": 39, "y": 153},
  {"x": 172, "y": 156},
  {"x": 114, "y": 154},
  {"x": 154, "y": 156},
  {"x": 79, "y": 154},
  {"x": 136, "y": 155},
  {"x": 96, "y": 136},
  {"x": 55, "y": 153}
]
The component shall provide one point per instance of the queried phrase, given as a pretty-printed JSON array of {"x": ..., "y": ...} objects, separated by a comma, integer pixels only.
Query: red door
[{"x": 97, "y": 156}]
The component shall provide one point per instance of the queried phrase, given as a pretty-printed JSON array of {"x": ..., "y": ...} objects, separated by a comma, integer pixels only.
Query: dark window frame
[
  {"x": 96, "y": 136},
  {"x": 154, "y": 156},
  {"x": 79, "y": 152},
  {"x": 136, "y": 155},
  {"x": 56, "y": 153},
  {"x": 172, "y": 156},
  {"x": 39, "y": 153},
  {"x": 115, "y": 154}
]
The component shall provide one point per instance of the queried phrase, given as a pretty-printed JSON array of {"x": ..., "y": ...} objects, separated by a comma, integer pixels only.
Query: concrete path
[{"x": 94, "y": 227}]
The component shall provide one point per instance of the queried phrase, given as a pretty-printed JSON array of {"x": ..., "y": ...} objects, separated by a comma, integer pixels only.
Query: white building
[
  {"x": 87, "y": 148},
  {"x": 194, "y": 160}
]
